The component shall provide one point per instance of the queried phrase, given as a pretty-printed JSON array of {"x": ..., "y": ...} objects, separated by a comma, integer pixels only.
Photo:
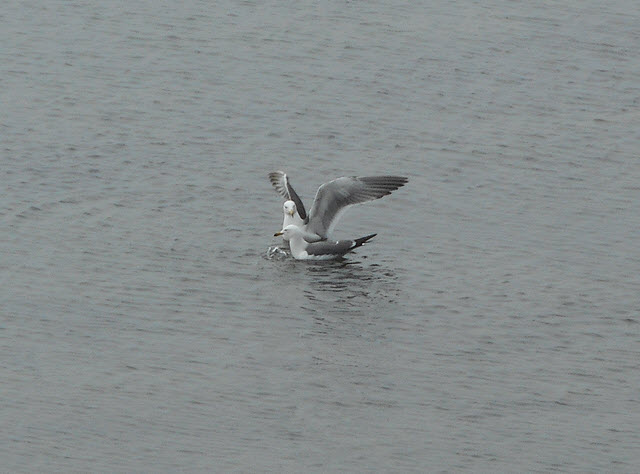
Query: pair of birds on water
[{"x": 309, "y": 234}]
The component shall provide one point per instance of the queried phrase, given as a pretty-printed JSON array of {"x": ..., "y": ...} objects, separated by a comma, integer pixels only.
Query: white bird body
[{"x": 325, "y": 250}]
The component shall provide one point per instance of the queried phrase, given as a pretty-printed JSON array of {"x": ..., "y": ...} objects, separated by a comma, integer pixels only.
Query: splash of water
[{"x": 277, "y": 253}]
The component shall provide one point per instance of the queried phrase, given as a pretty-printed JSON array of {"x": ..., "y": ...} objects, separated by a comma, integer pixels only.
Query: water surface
[{"x": 492, "y": 325}]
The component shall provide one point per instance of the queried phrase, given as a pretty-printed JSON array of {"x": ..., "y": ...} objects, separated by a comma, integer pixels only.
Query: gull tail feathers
[{"x": 360, "y": 242}]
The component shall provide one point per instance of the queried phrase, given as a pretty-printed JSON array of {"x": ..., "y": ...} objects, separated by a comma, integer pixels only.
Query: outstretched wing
[
  {"x": 280, "y": 181},
  {"x": 334, "y": 197}
]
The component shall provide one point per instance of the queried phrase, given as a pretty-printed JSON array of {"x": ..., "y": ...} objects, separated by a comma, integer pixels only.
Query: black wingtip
[
  {"x": 384, "y": 184},
  {"x": 359, "y": 242},
  {"x": 275, "y": 176}
]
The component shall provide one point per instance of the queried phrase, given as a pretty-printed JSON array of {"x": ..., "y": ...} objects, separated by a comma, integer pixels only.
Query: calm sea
[{"x": 491, "y": 326}]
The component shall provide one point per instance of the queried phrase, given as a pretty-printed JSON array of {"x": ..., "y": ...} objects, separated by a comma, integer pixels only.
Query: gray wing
[
  {"x": 280, "y": 181},
  {"x": 333, "y": 248},
  {"x": 334, "y": 197},
  {"x": 336, "y": 247}
]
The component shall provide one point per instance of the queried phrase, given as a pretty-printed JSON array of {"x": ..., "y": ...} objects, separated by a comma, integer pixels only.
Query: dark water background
[{"x": 492, "y": 325}]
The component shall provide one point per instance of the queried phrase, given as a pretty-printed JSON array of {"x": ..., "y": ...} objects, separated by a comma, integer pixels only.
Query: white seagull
[
  {"x": 332, "y": 199},
  {"x": 325, "y": 250},
  {"x": 294, "y": 212}
]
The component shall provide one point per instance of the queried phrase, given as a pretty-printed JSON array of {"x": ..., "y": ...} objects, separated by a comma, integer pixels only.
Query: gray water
[{"x": 491, "y": 326}]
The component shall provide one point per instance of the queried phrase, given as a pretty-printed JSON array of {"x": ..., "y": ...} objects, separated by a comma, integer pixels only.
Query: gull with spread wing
[{"x": 331, "y": 201}]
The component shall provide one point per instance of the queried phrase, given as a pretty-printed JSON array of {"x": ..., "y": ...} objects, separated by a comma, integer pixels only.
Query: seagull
[
  {"x": 293, "y": 209},
  {"x": 331, "y": 201},
  {"x": 325, "y": 250}
]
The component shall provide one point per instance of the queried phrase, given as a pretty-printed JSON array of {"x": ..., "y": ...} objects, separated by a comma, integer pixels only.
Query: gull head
[
  {"x": 289, "y": 207},
  {"x": 289, "y": 231}
]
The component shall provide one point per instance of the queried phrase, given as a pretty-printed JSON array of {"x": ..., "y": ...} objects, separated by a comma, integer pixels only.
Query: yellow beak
[{"x": 291, "y": 212}]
